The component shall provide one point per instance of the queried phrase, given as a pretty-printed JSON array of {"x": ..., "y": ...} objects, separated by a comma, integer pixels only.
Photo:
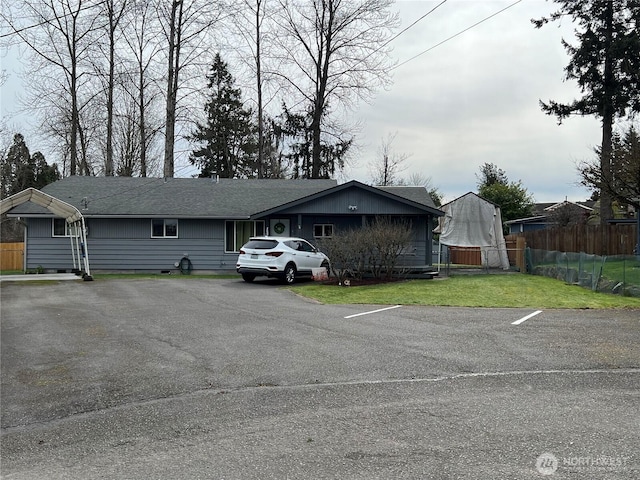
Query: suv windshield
[{"x": 261, "y": 244}]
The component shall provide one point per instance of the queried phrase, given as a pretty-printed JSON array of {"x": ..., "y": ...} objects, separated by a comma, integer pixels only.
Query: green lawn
[
  {"x": 470, "y": 291},
  {"x": 619, "y": 269}
]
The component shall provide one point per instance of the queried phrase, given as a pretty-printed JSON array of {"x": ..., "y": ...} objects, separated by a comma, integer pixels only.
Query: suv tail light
[
  {"x": 242, "y": 252},
  {"x": 273, "y": 254}
]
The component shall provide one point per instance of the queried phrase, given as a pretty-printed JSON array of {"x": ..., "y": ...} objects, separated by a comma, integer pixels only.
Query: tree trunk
[
  {"x": 606, "y": 212},
  {"x": 143, "y": 128},
  {"x": 171, "y": 90},
  {"x": 261, "y": 162},
  {"x": 73, "y": 141},
  {"x": 108, "y": 163}
]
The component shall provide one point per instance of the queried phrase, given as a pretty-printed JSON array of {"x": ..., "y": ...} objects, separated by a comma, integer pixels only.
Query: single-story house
[
  {"x": 156, "y": 224},
  {"x": 548, "y": 214}
]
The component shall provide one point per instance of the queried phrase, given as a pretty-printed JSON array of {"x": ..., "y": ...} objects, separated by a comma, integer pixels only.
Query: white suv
[{"x": 283, "y": 257}]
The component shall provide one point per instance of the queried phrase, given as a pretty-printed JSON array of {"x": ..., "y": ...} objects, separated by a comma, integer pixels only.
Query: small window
[
  {"x": 323, "y": 230},
  {"x": 61, "y": 228},
  {"x": 161, "y": 228}
]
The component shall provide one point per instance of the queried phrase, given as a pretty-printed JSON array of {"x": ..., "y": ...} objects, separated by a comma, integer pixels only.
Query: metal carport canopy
[
  {"x": 60, "y": 208},
  {"x": 70, "y": 213}
]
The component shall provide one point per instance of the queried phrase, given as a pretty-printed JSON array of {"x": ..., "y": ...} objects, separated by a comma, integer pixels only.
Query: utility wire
[
  {"x": 18, "y": 31},
  {"x": 410, "y": 26},
  {"x": 398, "y": 34},
  {"x": 457, "y": 34}
]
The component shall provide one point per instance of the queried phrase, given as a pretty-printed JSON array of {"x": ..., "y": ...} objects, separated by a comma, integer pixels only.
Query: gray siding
[
  {"x": 419, "y": 254},
  {"x": 366, "y": 203},
  {"x": 126, "y": 244}
]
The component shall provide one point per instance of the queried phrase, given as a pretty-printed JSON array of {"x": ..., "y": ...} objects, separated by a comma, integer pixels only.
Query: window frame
[
  {"x": 164, "y": 227},
  {"x": 235, "y": 233},
  {"x": 67, "y": 230},
  {"x": 323, "y": 226}
]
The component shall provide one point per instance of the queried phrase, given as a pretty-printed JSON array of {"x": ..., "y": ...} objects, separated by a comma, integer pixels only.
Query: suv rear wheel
[
  {"x": 247, "y": 277},
  {"x": 289, "y": 274}
]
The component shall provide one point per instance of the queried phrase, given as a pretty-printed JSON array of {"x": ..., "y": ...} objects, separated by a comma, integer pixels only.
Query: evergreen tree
[
  {"x": 295, "y": 133},
  {"x": 20, "y": 170},
  {"x": 229, "y": 135},
  {"x": 606, "y": 64},
  {"x": 623, "y": 184}
]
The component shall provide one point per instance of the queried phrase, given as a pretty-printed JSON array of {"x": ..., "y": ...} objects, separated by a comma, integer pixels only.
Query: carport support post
[
  {"x": 74, "y": 247},
  {"x": 85, "y": 252}
]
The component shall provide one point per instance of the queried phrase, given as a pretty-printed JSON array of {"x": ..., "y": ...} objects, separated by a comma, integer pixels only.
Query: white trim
[
  {"x": 323, "y": 225},
  {"x": 164, "y": 228},
  {"x": 67, "y": 231}
]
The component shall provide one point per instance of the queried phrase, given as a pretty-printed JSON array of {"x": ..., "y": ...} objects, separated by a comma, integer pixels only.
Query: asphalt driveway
[{"x": 198, "y": 378}]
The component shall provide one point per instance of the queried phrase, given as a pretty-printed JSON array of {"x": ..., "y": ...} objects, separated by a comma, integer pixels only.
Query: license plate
[{"x": 254, "y": 256}]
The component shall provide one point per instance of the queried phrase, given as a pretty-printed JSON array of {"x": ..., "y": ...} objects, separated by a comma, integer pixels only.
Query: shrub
[{"x": 374, "y": 249}]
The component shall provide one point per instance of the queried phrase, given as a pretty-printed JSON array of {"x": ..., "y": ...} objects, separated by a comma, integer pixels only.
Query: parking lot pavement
[{"x": 194, "y": 378}]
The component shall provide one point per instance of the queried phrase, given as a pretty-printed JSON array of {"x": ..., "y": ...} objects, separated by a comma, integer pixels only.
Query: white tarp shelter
[
  {"x": 70, "y": 213},
  {"x": 472, "y": 221}
]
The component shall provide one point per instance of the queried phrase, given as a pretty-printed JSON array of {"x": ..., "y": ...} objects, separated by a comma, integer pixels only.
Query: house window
[
  {"x": 237, "y": 233},
  {"x": 60, "y": 228},
  {"x": 164, "y": 228},
  {"x": 323, "y": 230}
]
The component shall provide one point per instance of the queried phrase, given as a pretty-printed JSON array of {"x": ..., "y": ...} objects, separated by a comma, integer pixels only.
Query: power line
[
  {"x": 398, "y": 34},
  {"x": 457, "y": 34},
  {"x": 18, "y": 31},
  {"x": 412, "y": 25}
]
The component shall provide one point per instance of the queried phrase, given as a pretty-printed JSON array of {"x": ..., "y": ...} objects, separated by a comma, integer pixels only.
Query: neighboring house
[
  {"x": 550, "y": 214},
  {"x": 154, "y": 224}
]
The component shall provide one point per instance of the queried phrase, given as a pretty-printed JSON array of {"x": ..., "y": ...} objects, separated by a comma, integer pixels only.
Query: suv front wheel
[{"x": 289, "y": 274}]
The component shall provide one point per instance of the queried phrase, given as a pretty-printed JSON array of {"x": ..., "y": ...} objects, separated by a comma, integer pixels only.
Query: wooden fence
[
  {"x": 472, "y": 256},
  {"x": 11, "y": 256},
  {"x": 617, "y": 239}
]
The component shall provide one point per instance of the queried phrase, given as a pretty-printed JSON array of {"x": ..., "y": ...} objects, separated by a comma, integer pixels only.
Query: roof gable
[{"x": 415, "y": 197}]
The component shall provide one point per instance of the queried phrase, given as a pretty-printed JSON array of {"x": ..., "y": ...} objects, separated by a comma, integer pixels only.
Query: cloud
[{"x": 475, "y": 99}]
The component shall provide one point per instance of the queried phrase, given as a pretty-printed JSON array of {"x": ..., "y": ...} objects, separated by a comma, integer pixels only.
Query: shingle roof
[
  {"x": 196, "y": 197},
  {"x": 180, "y": 197},
  {"x": 415, "y": 194}
]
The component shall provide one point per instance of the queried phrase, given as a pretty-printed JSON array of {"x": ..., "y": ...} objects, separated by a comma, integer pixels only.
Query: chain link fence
[{"x": 617, "y": 274}]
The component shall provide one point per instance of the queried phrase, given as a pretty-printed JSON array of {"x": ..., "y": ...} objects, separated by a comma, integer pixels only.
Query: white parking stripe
[
  {"x": 524, "y": 319},
  {"x": 373, "y": 311}
]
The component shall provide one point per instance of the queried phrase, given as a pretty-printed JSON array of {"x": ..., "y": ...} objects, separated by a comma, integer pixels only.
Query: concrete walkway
[{"x": 39, "y": 277}]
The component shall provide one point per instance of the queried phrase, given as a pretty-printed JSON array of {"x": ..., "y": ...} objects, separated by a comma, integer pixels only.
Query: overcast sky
[
  {"x": 475, "y": 100},
  {"x": 472, "y": 100}
]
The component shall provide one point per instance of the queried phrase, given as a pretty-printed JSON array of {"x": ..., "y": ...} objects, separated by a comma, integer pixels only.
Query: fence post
[{"x": 521, "y": 244}]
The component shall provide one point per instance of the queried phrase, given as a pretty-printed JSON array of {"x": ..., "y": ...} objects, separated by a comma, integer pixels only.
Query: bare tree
[
  {"x": 114, "y": 11},
  {"x": 336, "y": 55},
  {"x": 389, "y": 164},
  {"x": 185, "y": 26},
  {"x": 249, "y": 23},
  {"x": 61, "y": 35},
  {"x": 141, "y": 34}
]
